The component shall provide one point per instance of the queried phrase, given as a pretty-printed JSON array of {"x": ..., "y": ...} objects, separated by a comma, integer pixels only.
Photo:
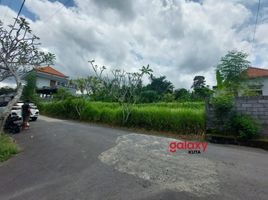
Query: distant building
[
  {"x": 258, "y": 80},
  {"x": 49, "y": 80}
]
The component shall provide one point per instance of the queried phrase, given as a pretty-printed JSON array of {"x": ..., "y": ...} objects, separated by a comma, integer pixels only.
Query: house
[
  {"x": 49, "y": 80},
  {"x": 258, "y": 80}
]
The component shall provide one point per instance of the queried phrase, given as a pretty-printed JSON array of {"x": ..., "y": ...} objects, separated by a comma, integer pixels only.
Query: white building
[
  {"x": 258, "y": 80},
  {"x": 49, "y": 80}
]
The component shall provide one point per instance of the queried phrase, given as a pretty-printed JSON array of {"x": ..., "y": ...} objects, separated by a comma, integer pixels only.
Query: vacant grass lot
[
  {"x": 7, "y": 147},
  {"x": 182, "y": 118}
]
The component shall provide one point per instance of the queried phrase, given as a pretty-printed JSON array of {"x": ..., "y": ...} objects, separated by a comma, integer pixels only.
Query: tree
[
  {"x": 29, "y": 90},
  {"x": 219, "y": 79},
  {"x": 168, "y": 97},
  {"x": 201, "y": 91},
  {"x": 231, "y": 69},
  {"x": 6, "y": 90},
  {"x": 148, "y": 96},
  {"x": 182, "y": 94},
  {"x": 199, "y": 82},
  {"x": 80, "y": 84},
  {"x": 160, "y": 85},
  {"x": 124, "y": 87},
  {"x": 62, "y": 94},
  {"x": 19, "y": 53}
]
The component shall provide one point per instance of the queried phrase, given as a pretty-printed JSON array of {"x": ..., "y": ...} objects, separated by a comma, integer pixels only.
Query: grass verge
[{"x": 8, "y": 147}]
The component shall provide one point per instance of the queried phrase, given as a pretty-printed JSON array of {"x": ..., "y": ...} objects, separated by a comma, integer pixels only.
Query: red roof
[
  {"x": 52, "y": 71},
  {"x": 254, "y": 72}
]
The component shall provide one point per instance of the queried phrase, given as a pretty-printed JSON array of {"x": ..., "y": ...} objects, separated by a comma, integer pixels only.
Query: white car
[
  {"x": 34, "y": 112},
  {"x": 16, "y": 111}
]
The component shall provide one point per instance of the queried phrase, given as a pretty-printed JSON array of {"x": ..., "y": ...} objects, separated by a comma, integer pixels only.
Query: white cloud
[{"x": 178, "y": 39}]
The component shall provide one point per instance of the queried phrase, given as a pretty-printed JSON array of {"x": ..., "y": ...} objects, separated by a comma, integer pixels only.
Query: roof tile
[
  {"x": 52, "y": 71},
  {"x": 254, "y": 72}
]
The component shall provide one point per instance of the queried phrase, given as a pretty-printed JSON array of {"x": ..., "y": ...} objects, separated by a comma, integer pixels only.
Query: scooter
[{"x": 13, "y": 124}]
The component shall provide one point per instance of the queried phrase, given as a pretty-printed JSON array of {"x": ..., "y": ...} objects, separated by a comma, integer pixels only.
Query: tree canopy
[
  {"x": 232, "y": 66},
  {"x": 231, "y": 71}
]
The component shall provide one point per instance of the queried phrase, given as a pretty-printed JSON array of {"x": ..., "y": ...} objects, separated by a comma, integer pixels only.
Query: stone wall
[{"x": 257, "y": 107}]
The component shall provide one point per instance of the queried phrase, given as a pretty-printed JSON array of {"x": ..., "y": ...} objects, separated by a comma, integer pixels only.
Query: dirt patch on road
[{"x": 148, "y": 157}]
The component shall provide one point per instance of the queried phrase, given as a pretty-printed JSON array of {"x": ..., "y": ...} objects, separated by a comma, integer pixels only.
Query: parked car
[
  {"x": 34, "y": 112},
  {"x": 16, "y": 111}
]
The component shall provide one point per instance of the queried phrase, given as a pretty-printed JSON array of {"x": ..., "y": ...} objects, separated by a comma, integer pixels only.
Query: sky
[{"x": 177, "y": 38}]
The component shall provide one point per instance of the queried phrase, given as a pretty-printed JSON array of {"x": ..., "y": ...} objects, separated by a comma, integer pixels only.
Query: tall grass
[
  {"x": 183, "y": 118},
  {"x": 7, "y": 147}
]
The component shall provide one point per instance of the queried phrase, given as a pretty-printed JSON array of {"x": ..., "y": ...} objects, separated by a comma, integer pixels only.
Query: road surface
[{"x": 66, "y": 160}]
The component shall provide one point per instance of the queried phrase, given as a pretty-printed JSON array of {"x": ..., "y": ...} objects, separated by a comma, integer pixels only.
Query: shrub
[
  {"x": 7, "y": 147},
  {"x": 222, "y": 105},
  {"x": 246, "y": 127}
]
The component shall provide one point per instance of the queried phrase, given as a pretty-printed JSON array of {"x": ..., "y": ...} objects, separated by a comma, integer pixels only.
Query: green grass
[
  {"x": 7, "y": 147},
  {"x": 181, "y": 118}
]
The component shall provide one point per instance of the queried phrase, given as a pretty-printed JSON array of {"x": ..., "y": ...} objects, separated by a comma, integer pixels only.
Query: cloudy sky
[{"x": 177, "y": 38}]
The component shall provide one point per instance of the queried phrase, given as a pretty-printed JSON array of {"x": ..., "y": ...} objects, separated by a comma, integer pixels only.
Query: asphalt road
[{"x": 65, "y": 160}]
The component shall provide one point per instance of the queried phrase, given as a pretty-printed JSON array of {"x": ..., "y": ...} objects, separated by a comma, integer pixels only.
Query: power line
[
  {"x": 256, "y": 22},
  {"x": 18, "y": 13},
  {"x": 20, "y": 9}
]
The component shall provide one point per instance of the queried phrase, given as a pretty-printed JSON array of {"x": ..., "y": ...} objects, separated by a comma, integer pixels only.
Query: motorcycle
[{"x": 13, "y": 124}]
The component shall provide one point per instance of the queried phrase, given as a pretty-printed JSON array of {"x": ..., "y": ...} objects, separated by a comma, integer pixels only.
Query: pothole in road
[{"x": 148, "y": 157}]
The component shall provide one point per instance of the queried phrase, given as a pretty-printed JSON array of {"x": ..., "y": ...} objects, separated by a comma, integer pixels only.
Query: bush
[
  {"x": 246, "y": 127},
  {"x": 7, "y": 147},
  {"x": 222, "y": 105}
]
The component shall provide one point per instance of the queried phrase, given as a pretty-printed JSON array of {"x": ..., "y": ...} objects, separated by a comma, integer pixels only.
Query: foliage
[
  {"x": 231, "y": 70},
  {"x": 201, "y": 93},
  {"x": 176, "y": 105},
  {"x": 231, "y": 122},
  {"x": 168, "y": 97},
  {"x": 19, "y": 50},
  {"x": 223, "y": 105},
  {"x": 80, "y": 84},
  {"x": 6, "y": 90},
  {"x": 183, "y": 118},
  {"x": 7, "y": 147},
  {"x": 160, "y": 85},
  {"x": 182, "y": 94},
  {"x": 29, "y": 90},
  {"x": 124, "y": 87},
  {"x": 245, "y": 126},
  {"x": 219, "y": 79},
  {"x": 148, "y": 96},
  {"x": 62, "y": 94},
  {"x": 199, "y": 82},
  {"x": 200, "y": 90}
]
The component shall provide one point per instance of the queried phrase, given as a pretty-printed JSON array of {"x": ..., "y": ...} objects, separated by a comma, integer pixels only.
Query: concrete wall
[{"x": 257, "y": 107}]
